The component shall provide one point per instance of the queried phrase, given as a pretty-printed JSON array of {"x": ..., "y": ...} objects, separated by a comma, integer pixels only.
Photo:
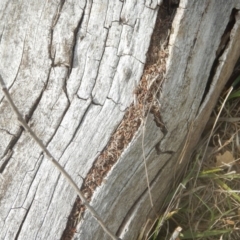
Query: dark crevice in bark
[
  {"x": 2, "y": 34},
  {"x": 63, "y": 114},
  {"x": 146, "y": 94},
  {"x": 222, "y": 46},
  {"x": 23, "y": 50},
  {"x": 80, "y": 123},
  {"x": 74, "y": 46},
  {"x": 96, "y": 103},
  {"x": 82, "y": 31},
  {"x": 5, "y": 160},
  {"x": 159, "y": 151},
  {"x": 66, "y": 94},
  {"x": 171, "y": 4},
  {"x": 235, "y": 74},
  {"x": 35, "y": 105},
  {"x": 131, "y": 56},
  {"x": 8, "y": 132},
  {"x": 85, "y": 99},
  {"x": 77, "y": 128},
  {"x": 117, "y": 103},
  {"x": 17, "y": 136},
  {"x": 12, "y": 142},
  {"x": 64, "y": 111},
  {"x": 50, "y": 54},
  {"x": 56, "y": 17},
  {"x": 86, "y": 16}
]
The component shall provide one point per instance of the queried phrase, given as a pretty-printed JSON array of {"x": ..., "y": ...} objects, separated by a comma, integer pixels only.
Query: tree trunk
[{"x": 119, "y": 103}]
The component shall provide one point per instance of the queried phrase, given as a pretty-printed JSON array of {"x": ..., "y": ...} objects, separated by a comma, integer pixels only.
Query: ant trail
[{"x": 145, "y": 165}]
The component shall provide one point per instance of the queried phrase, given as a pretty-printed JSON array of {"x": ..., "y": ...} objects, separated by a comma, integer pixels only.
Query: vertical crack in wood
[
  {"x": 221, "y": 48},
  {"x": 146, "y": 102},
  {"x": 7, "y": 155},
  {"x": 16, "y": 137},
  {"x": 75, "y": 35}
]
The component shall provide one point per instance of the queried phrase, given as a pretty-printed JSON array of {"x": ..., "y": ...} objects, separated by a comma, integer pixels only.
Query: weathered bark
[{"x": 76, "y": 71}]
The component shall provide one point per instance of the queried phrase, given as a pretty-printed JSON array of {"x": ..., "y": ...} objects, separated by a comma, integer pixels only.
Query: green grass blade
[
  {"x": 209, "y": 233},
  {"x": 236, "y": 81},
  {"x": 227, "y": 188},
  {"x": 234, "y": 94}
]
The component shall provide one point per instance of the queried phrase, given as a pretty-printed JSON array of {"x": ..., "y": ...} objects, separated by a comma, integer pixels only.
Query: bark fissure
[
  {"x": 117, "y": 103},
  {"x": 23, "y": 50},
  {"x": 57, "y": 15},
  {"x": 221, "y": 48},
  {"x": 75, "y": 34},
  {"x": 17, "y": 136},
  {"x": 196, "y": 33},
  {"x": 66, "y": 94},
  {"x": 147, "y": 94},
  {"x": 5, "y": 159},
  {"x": 12, "y": 142},
  {"x": 89, "y": 101},
  {"x": 8, "y": 132},
  {"x": 62, "y": 116}
]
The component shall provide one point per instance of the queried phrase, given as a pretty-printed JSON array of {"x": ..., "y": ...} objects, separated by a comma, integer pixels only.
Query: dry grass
[{"x": 209, "y": 207}]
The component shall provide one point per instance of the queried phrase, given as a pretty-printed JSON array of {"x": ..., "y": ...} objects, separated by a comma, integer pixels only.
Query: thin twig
[
  {"x": 164, "y": 216},
  {"x": 145, "y": 166},
  {"x": 143, "y": 138},
  {"x": 182, "y": 154},
  {"x": 53, "y": 160},
  {"x": 176, "y": 233}
]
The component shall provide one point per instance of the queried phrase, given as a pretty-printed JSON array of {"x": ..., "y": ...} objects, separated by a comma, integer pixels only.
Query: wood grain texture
[{"x": 72, "y": 68}]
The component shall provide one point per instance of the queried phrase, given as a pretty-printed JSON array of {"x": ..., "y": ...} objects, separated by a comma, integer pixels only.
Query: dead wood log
[{"x": 112, "y": 89}]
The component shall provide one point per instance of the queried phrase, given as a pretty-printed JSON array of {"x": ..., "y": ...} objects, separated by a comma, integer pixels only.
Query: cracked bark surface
[{"x": 73, "y": 69}]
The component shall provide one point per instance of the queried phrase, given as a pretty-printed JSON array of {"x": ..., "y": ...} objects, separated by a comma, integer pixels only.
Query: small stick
[
  {"x": 176, "y": 233},
  {"x": 53, "y": 160}
]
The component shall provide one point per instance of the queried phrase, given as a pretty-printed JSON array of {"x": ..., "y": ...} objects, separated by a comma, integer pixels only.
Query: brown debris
[{"x": 146, "y": 94}]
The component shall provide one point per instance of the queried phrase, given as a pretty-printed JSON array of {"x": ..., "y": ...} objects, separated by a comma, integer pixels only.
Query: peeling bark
[{"x": 90, "y": 81}]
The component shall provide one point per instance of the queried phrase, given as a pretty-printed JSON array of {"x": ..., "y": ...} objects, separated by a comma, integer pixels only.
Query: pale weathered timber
[
  {"x": 55, "y": 162},
  {"x": 72, "y": 67}
]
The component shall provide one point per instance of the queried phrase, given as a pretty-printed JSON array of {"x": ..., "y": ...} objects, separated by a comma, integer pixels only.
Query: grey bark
[{"x": 72, "y": 68}]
